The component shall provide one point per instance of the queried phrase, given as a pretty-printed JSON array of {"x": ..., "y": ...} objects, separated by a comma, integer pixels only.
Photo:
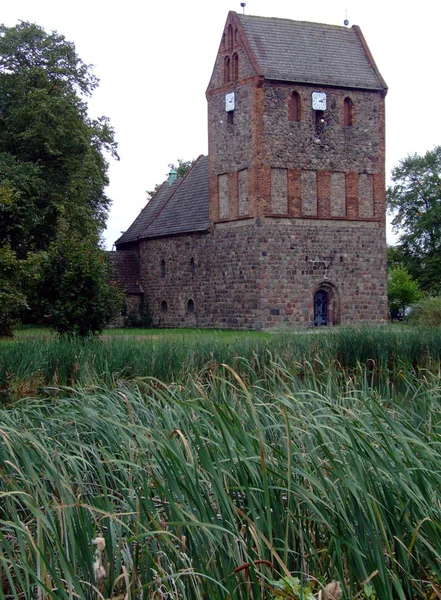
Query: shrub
[{"x": 427, "y": 312}]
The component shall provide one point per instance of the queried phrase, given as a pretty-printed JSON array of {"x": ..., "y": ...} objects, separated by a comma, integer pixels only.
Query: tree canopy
[
  {"x": 414, "y": 199},
  {"x": 53, "y": 156}
]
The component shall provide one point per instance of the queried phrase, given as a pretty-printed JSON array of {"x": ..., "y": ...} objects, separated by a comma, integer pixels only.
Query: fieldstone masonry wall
[{"x": 264, "y": 273}]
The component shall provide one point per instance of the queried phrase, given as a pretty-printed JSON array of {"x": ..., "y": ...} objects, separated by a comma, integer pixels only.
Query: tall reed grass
[
  {"x": 224, "y": 484},
  {"x": 30, "y": 366}
]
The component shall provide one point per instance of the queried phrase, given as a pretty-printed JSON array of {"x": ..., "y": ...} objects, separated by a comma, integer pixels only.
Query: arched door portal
[
  {"x": 321, "y": 301},
  {"x": 326, "y": 305}
]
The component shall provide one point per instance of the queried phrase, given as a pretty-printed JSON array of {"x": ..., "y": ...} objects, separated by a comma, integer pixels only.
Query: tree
[
  {"x": 402, "y": 290},
  {"x": 181, "y": 169},
  {"x": 75, "y": 289},
  {"x": 52, "y": 156},
  {"x": 53, "y": 174},
  {"x": 415, "y": 201}
]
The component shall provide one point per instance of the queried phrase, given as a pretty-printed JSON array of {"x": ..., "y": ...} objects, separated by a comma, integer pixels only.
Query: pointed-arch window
[
  {"x": 230, "y": 37},
  {"x": 235, "y": 66},
  {"x": 348, "y": 112},
  {"x": 227, "y": 69},
  {"x": 294, "y": 107}
]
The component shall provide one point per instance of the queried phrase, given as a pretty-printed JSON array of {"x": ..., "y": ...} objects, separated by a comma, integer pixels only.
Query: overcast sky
[{"x": 154, "y": 60}]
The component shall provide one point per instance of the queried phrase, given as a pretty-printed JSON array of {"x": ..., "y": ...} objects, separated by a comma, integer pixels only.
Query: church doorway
[
  {"x": 321, "y": 300},
  {"x": 326, "y": 305}
]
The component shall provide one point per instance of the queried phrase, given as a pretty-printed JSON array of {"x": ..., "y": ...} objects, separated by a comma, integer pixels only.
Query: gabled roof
[
  {"x": 125, "y": 267},
  {"x": 315, "y": 53},
  {"x": 182, "y": 207}
]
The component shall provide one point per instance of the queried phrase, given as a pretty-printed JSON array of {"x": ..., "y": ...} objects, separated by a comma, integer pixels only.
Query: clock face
[
  {"x": 230, "y": 101},
  {"x": 319, "y": 100}
]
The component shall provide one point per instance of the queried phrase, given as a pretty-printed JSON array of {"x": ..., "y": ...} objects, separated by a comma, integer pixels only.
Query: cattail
[
  {"x": 332, "y": 591},
  {"x": 98, "y": 568}
]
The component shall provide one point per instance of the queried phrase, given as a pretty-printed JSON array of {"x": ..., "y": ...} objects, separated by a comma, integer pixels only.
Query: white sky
[{"x": 154, "y": 60}]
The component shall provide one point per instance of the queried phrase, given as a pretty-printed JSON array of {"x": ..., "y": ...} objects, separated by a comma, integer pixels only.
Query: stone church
[{"x": 283, "y": 223}]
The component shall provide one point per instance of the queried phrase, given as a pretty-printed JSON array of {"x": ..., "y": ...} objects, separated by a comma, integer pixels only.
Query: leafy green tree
[
  {"x": 181, "y": 168},
  {"x": 402, "y": 290},
  {"x": 53, "y": 175},
  {"x": 12, "y": 299},
  {"x": 76, "y": 289},
  {"x": 415, "y": 201},
  {"x": 52, "y": 155}
]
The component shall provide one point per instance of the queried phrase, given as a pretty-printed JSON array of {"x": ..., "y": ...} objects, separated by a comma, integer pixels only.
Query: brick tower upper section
[{"x": 295, "y": 123}]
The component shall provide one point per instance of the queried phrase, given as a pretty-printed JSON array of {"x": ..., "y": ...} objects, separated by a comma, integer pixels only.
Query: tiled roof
[
  {"x": 180, "y": 208},
  {"x": 313, "y": 53},
  {"x": 125, "y": 266}
]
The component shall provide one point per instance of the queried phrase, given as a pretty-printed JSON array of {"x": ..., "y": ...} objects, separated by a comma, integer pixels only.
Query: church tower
[{"x": 296, "y": 130}]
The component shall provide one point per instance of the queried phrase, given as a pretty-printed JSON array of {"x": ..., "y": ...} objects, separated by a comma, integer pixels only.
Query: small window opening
[
  {"x": 163, "y": 269},
  {"x": 164, "y": 306},
  {"x": 190, "y": 306},
  {"x": 193, "y": 267},
  {"x": 348, "y": 112},
  {"x": 230, "y": 37},
  {"x": 227, "y": 75},
  {"x": 235, "y": 67},
  {"x": 294, "y": 107},
  {"x": 319, "y": 122}
]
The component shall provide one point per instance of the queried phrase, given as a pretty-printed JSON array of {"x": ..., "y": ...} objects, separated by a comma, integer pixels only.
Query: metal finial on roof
[
  {"x": 346, "y": 21},
  {"x": 243, "y": 4}
]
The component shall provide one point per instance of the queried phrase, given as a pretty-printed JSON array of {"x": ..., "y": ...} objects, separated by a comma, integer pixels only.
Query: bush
[{"x": 427, "y": 312}]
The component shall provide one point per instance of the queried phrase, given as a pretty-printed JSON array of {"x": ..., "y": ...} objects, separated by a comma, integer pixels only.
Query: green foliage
[
  {"x": 291, "y": 587},
  {"x": 75, "y": 288},
  {"x": 52, "y": 160},
  {"x": 427, "y": 312},
  {"x": 12, "y": 300},
  {"x": 53, "y": 169},
  {"x": 415, "y": 201},
  {"x": 402, "y": 290},
  {"x": 181, "y": 168}
]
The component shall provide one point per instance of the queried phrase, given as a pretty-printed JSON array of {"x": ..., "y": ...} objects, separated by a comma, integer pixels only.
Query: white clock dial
[
  {"x": 230, "y": 101},
  {"x": 319, "y": 100}
]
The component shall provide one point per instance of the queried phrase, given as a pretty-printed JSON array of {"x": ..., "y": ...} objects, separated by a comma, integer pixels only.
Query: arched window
[
  {"x": 235, "y": 67},
  {"x": 193, "y": 267},
  {"x": 294, "y": 107},
  {"x": 230, "y": 37},
  {"x": 163, "y": 269},
  {"x": 348, "y": 112},
  {"x": 164, "y": 306},
  {"x": 190, "y": 306},
  {"x": 227, "y": 75}
]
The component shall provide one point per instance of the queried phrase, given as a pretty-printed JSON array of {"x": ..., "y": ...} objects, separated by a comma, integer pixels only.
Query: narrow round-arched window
[
  {"x": 163, "y": 269},
  {"x": 190, "y": 306},
  {"x": 348, "y": 112},
  {"x": 227, "y": 75},
  {"x": 235, "y": 67},
  {"x": 193, "y": 267},
  {"x": 230, "y": 37},
  {"x": 294, "y": 107},
  {"x": 164, "y": 306}
]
